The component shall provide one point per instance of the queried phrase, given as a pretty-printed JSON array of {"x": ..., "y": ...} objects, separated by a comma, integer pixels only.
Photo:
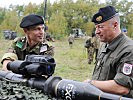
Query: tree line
[{"x": 64, "y": 15}]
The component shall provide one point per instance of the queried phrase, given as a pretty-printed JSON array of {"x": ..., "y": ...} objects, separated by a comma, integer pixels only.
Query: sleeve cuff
[
  {"x": 124, "y": 80},
  {"x": 10, "y": 56}
]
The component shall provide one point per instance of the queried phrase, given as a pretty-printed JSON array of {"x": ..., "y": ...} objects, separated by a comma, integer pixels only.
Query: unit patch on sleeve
[
  {"x": 43, "y": 48},
  {"x": 127, "y": 69}
]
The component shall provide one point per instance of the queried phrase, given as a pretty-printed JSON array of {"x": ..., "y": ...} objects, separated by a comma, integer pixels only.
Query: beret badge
[{"x": 99, "y": 18}]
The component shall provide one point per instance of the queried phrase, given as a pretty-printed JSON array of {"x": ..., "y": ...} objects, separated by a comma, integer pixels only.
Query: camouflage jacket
[
  {"x": 71, "y": 39},
  {"x": 95, "y": 42},
  {"x": 20, "y": 48},
  {"x": 88, "y": 43},
  {"x": 92, "y": 42}
]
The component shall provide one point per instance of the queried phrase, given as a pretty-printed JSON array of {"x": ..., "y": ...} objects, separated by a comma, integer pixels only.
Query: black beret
[
  {"x": 31, "y": 20},
  {"x": 104, "y": 14}
]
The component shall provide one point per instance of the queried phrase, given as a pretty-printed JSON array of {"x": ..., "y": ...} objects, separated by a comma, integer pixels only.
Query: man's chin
[
  {"x": 102, "y": 40},
  {"x": 39, "y": 40}
]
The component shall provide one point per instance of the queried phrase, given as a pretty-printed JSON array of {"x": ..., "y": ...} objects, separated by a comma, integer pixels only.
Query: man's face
[
  {"x": 105, "y": 31},
  {"x": 36, "y": 33}
]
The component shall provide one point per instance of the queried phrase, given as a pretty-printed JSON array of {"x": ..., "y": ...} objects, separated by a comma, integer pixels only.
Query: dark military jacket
[
  {"x": 115, "y": 62},
  {"x": 20, "y": 48}
]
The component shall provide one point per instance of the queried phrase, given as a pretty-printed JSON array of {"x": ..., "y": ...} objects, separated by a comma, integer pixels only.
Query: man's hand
[
  {"x": 87, "y": 81},
  {"x": 5, "y": 62}
]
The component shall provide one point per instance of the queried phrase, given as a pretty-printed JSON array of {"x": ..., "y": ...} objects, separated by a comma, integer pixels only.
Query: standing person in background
[
  {"x": 113, "y": 72},
  {"x": 95, "y": 43},
  {"x": 70, "y": 40},
  {"x": 92, "y": 45},
  {"x": 90, "y": 49},
  {"x": 32, "y": 43}
]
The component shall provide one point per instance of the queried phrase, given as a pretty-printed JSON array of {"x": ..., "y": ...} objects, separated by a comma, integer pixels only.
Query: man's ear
[
  {"x": 115, "y": 24},
  {"x": 25, "y": 30}
]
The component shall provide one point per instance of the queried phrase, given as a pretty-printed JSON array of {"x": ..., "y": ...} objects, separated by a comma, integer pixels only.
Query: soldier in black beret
[
  {"x": 113, "y": 72},
  {"x": 32, "y": 43}
]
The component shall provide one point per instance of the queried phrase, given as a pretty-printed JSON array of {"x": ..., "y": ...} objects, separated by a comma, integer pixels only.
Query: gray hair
[{"x": 116, "y": 18}]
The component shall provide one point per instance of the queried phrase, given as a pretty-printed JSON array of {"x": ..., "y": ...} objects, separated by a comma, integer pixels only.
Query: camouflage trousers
[
  {"x": 90, "y": 53},
  {"x": 70, "y": 44}
]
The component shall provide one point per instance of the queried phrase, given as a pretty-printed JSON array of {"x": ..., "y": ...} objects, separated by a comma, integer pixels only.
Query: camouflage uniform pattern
[
  {"x": 90, "y": 49},
  {"x": 96, "y": 45},
  {"x": 70, "y": 40},
  {"x": 20, "y": 48},
  {"x": 18, "y": 91},
  {"x": 90, "y": 54}
]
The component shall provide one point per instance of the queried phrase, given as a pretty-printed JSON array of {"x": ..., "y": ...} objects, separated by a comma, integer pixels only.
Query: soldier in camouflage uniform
[
  {"x": 113, "y": 72},
  {"x": 32, "y": 43},
  {"x": 92, "y": 44},
  {"x": 96, "y": 44},
  {"x": 90, "y": 49}
]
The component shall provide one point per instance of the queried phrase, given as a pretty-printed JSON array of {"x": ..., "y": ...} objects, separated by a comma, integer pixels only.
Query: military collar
[
  {"x": 35, "y": 49},
  {"x": 105, "y": 46},
  {"x": 116, "y": 42},
  {"x": 26, "y": 46}
]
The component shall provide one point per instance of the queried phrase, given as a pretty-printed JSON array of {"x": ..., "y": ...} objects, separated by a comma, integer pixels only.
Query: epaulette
[
  {"x": 19, "y": 39},
  {"x": 46, "y": 43},
  {"x": 18, "y": 42}
]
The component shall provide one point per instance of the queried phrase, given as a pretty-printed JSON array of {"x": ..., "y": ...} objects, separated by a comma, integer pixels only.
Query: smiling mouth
[{"x": 40, "y": 36}]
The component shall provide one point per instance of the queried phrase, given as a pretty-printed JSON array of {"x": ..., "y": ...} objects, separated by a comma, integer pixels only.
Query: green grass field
[{"x": 71, "y": 63}]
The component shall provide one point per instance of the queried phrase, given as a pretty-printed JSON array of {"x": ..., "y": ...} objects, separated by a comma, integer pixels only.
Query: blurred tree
[
  {"x": 126, "y": 14},
  {"x": 10, "y": 21},
  {"x": 63, "y": 15},
  {"x": 30, "y": 8},
  {"x": 57, "y": 24},
  {"x": 112, "y": 2},
  {"x": 20, "y": 10},
  {"x": 2, "y": 14}
]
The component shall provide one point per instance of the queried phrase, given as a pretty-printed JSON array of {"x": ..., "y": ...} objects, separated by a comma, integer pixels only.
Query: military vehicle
[
  {"x": 10, "y": 35},
  {"x": 77, "y": 32}
]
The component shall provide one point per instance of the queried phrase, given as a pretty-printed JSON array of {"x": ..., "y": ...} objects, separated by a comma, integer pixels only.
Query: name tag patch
[
  {"x": 43, "y": 48},
  {"x": 127, "y": 69}
]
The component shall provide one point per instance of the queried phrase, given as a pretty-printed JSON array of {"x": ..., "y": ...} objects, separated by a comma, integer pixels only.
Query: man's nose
[
  {"x": 41, "y": 30},
  {"x": 97, "y": 31}
]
